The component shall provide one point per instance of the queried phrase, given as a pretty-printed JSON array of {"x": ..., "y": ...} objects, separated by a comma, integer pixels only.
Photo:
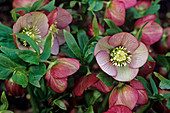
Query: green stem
[{"x": 88, "y": 71}]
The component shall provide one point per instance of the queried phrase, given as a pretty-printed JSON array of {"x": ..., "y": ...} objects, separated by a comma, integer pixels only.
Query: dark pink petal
[
  {"x": 124, "y": 39},
  {"x": 151, "y": 33},
  {"x": 103, "y": 60},
  {"x": 143, "y": 97},
  {"x": 52, "y": 16},
  {"x": 48, "y": 76},
  {"x": 128, "y": 3},
  {"x": 55, "y": 46},
  {"x": 102, "y": 87},
  {"x": 149, "y": 18},
  {"x": 118, "y": 109},
  {"x": 136, "y": 84},
  {"x": 142, "y": 5},
  {"x": 139, "y": 56},
  {"x": 125, "y": 74},
  {"x": 113, "y": 97},
  {"x": 64, "y": 18},
  {"x": 65, "y": 67},
  {"x": 116, "y": 12},
  {"x": 127, "y": 96},
  {"x": 102, "y": 44},
  {"x": 83, "y": 83}
]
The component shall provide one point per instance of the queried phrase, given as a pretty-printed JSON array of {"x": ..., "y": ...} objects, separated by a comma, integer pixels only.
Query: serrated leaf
[
  {"x": 72, "y": 44},
  {"x": 4, "y": 101},
  {"x": 49, "y": 7},
  {"x": 60, "y": 104},
  {"x": 165, "y": 84},
  {"x": 153, "y": 85},
  {"x": 30, "y": 41},
  {"x": 113, "y": 26},
  {"x": 106, "y": 79}
]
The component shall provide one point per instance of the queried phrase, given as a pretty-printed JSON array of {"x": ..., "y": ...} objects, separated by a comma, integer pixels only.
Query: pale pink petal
[
  {"x": 128, "y": 3},
  {"x": 102, "y": 87},
  {"x": 143, "y": 97},
  {"x": 139, "y": 56},
  {"x": 142, "y": 5},
  {"x": 151, "y": 33},
  {"x": 113, "y": 97},
  {"x": 119, "y": 109},
  {"x": 125, "y": 74},
  {"x": 55, "y": 47},
  {"x": 52, "y": 16},
  {"x": 116, "y": 12},
  {"x": 103, "y": 60},
  {"x": 83, "y": 83},
  {"x": 102, "y": 44},
  {"x": 141, "y": 21},
  {"x": 64, "y": 18},
  {"x": 65, "y": 67},
  {"x": 124, "y": 39}
]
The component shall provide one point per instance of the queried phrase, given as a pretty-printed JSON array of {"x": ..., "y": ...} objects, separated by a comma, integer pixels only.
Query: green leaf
[
  {"x": 72, "y": 44},
  {"x": 145, "y": 84},
  {"x": 30, "y": 41},
  {"x": 168, "y": 103},
  {"x": 6, "y": 62},
  {"x": 159, "y": 76},
  {"x": 113, "y": 26},
  {"x": 95, "y": 26},
  {"x": 134, "y": 13},
  {"x": 91, "y": 5},
  {"x": 89, "y": 55},
  {"x": 89, "y": 109},
  {"x": 4, "y": 102},
  {"x": 5, "y": 72},
  {"x": 82, "y": 38},
  {"x": 47, "y": 48},
  {"x": 150, "y": 58},
  {"x": 60, "y": 104},
  {"x": 6, "y": 111},
  {"x": 49, "y": 7},
  {"x": 98, "y": 6},
  {"x": 36, "y": 5},
  {"x": 139, "y": 34},
  {"x": 73, "y": 3},
  {"x": 153, "y": 85},
  {"x": 162, "y": 60},
  {"x": 165, "y": 84},
  {"x": 168, "y": 54},
  {"x": 28, "y": 56},
  {"x": 20, "y": 77},
  {"x": 106, "y": 79},
  {"x": 152, "y": 9},
  {"x": 5, "y": 28}
]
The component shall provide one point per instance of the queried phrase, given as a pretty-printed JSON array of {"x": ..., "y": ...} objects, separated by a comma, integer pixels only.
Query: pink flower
[
  {"x": 120, "y": 55},
  {"x": 152, "y": 32},
  {"x": 13, "y": 88},
  {"x": 91, "y": 80},
  {"x": 128, "y": 3},
  {"x": 57, "y": 76},
  {"x": 118, "y": 109},
  {"x": 90, "y": 30},
  {"x": 59, "y": 19},
  {"x": 142, "y": 5},
  {"x": 35, "y": 25}
]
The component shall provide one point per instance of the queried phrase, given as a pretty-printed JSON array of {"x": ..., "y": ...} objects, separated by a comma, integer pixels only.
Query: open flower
[
  {"x": 59, "y": 19},
  {"x": 152, "y": 32},
  {"x": 120, "y": 55},
  {"x": 91, "y": 80},
  {"x": 90, "y": 30},
  {"x": 118, "y": 109},
  {"x": 35, "y": 25},
  {"x": 57, "y": 76}
]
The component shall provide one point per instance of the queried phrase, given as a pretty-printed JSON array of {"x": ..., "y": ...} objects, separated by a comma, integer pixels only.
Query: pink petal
[
  {"x": 65, "y": 67},
  {"x": 151, "y": 33},
  {"x": 136, "y": 84},
  {"x": 113, "y": 97},
  {"x": 125, "y": 74},
  {"x": 142, "y": 5},
  {"x": 102, "y": 44},
  {"x": 116, "y": 12},
  {"x": 139, "y": 56},
  {"x": 103, "y": 60},
  {"x": 64, "y": 18},
  {"x": 128, "y": 3},
  {"x": 139, "y": 23},
  {"x": 83, "y": 83},
  {"x": 102, "y": 87},
  {"x": 118, "y": 109},
  {"x": 52, "y": 16},
  {"x": 55, "y": 47},
  {"x": 143, "y": 97},
  {"x": 90, "y": 30},
  {"x": 124, "y": 39}
]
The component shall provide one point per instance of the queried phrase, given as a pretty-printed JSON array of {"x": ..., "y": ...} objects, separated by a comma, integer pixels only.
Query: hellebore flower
[
  {"x": 152, "y": 32},
  {"x": 91, "y": 80},
  {"x": 26, "y": 4},
  {"x": 118, "y": 109},
  {"x": 13, "y": 88},
  {"x": 120, "y": 55},
  {"x": 59, "y": 19},
  {"x": 57, "y": 76},
  {"x": 90, "y": 30},
  {"x": 35, "y": 25},
  {"x": 142, "y": 6},
  {"x": 128, "y": 3}
]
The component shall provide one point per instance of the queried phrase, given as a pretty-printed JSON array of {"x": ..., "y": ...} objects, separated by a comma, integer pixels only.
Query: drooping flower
[
  {"x": 152, "y": 32},
  {"x": 120, "y": 55},
  {"x": 57, "y": 76},
  {"x": 128, "y": 3},
  {"x": 91, "y": 80},
  {"x": 35, "y": 25},
  {"x": 119, "y": 109},
  {"x": 90, "y": 30},
  {"x": 142, "y": 6},
  {"x": 13, "y": 88},
  {"x": 59, "y": 20}
]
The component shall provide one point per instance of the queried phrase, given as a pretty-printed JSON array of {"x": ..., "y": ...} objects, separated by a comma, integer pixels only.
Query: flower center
[
  {"x": 119, "y": 56},
  {"x": 53, "y": 28},
  {"x": 32, "y": 32}
]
